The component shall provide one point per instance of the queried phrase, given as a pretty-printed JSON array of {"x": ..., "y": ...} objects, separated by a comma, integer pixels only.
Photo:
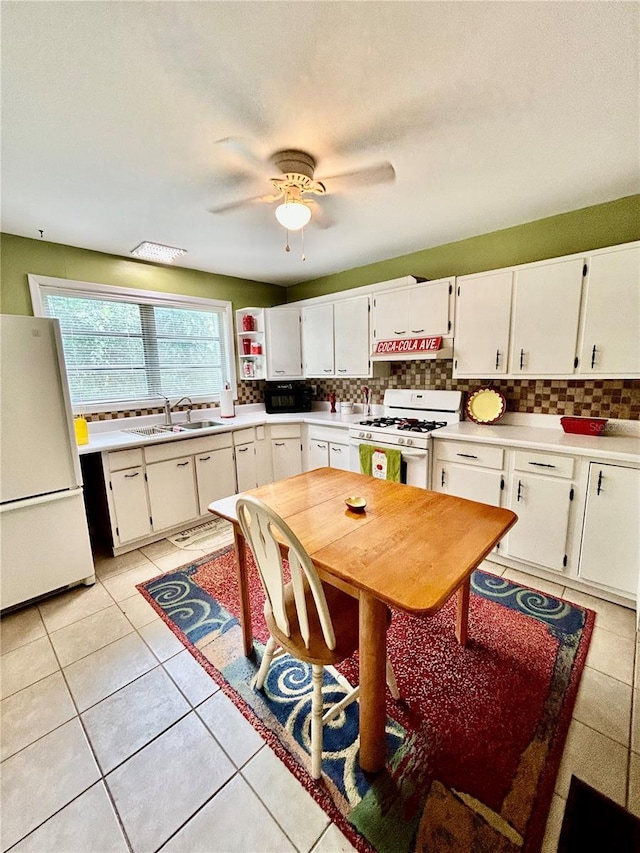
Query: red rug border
[{"x": 537, "y": 820}]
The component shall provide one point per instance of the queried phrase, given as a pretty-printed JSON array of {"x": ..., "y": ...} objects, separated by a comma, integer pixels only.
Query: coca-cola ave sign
[{"x": 408, "y": 345}]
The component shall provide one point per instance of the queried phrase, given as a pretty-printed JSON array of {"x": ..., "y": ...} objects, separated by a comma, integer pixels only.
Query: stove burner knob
[
  {"x": 409, "y": 441},
  {"x": 401, "y": 441}
]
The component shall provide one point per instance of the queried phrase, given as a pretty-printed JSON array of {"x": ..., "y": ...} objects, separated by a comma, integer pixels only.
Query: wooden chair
[{"x": 314, "y": 622}]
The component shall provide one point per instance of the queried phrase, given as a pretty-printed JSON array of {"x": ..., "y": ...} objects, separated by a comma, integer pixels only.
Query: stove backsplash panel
[{"x": 606, "y": 398}]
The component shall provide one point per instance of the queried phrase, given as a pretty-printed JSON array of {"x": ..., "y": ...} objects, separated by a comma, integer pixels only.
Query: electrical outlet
[{"x": 314, "y": 390}]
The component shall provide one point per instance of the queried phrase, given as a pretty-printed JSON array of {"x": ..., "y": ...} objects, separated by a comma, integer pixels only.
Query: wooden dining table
[{"x": 410, "y": 548}]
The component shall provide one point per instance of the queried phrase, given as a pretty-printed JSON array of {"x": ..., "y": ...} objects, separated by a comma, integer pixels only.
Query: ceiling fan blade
[
  {"x": 378, "y": 174},
  {"x": 319, "y": 215},
  {"x": 244, "y": 202},
  {"x": 239, "y": 146}
]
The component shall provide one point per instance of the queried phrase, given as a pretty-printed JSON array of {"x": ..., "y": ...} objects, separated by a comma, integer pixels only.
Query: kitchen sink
[
  {"x": 197, "y": 425},
  {"x": 161, "y": 429}
]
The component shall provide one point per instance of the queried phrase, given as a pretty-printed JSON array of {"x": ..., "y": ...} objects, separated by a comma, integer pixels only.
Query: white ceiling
[{"x": 492, "y": 114}]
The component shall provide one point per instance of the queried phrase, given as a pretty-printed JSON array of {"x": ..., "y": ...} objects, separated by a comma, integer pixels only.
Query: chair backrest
[{"x": 260, "y": 526}]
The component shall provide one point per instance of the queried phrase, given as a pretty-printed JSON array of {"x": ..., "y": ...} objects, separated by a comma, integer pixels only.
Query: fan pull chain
[
  {"x": 287, "y": 248},
  {"x": 302, "y": 238}
]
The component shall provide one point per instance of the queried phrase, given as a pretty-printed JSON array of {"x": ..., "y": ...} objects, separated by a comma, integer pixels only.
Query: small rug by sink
[
  {"x": 475, "y": 743},
  {"x": 209, "y": 536}
]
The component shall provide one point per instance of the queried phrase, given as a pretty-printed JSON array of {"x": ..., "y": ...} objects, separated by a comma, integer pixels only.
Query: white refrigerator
[{"x": 44, "y": 536}]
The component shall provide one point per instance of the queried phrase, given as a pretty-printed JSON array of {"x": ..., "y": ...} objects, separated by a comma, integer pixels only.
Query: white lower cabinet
[
  {"x": 327, "y": 447},
  {"x": 246, "y": 469},
  {"x": 576, "y": 516},
  {"x": 215, "y": 476},
  {"x": 172, "y": 492},
  {"x": 131, "y": 508},
  {"x": 610, "y": 552},
  {"x": 286, "y": 450}
]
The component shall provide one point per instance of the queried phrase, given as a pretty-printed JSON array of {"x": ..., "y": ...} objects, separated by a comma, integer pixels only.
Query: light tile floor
[{"x": 115, "y": 739}]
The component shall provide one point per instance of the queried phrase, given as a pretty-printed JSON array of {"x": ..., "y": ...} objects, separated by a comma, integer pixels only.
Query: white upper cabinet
[
  {"x": 284, "y": 352},
  {"x": 610, "y": 340},
  {"x": 546, "y": 307},
  {"x": 568, "y": 317},
  {"x": 415, "y": 312},
  {"x": 351, "y": 337},
  {"x": 317, "y": 339},
  {"x": 483, "y": 315},
  {"x": 335, "y": 338}
]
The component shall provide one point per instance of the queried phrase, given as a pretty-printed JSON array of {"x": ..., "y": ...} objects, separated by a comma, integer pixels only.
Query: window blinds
[{"x": 119, "y": 349}]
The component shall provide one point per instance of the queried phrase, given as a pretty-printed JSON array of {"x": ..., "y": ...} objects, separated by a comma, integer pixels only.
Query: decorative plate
[{"x": 486, "y": 406}]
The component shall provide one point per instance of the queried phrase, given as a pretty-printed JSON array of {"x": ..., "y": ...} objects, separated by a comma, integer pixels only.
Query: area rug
[
  {"x": 474, "y": 744},
  {"x": 210, "y": 536}
]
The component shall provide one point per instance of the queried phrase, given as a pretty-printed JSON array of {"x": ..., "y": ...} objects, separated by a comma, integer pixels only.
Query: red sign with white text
[{"x": 408, "y": 345}]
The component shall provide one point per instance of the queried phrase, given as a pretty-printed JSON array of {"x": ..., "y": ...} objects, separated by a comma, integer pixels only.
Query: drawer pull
[
  {"x": 242, "y": 449},
  {"x": 127, "y": 476},
  {"x": 416, "y": 331},
  {"x": 204, "y": 458},
  {"x": 279, "y": 443},
  {"x": 182, "y": 464},
  {"x": 542, "y": 464},
  {"x": 278, "y": 371},
  {"x": 467, "y": 455},
  {"x": 403, "y": 332}
]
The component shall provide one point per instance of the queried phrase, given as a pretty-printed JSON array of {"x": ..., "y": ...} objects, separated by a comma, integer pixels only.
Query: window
[{"x": 128, "y": 347}]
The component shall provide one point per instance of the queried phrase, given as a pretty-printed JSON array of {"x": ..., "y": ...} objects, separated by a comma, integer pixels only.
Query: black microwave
[{"x": 285, "y": 397}]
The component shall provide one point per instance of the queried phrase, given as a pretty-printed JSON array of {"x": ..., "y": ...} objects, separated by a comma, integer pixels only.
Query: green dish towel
[{"x": 393, "y": 460}]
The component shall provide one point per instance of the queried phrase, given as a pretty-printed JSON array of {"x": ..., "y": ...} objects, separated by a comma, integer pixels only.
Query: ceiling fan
[{"x": 296, "y": 184}]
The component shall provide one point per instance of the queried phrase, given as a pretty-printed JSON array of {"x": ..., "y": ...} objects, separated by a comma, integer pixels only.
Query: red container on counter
[{"x": 583, "y": 426}]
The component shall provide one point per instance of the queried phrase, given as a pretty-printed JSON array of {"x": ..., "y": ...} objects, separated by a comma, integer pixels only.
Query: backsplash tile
[{"x": 607, "y": 398}]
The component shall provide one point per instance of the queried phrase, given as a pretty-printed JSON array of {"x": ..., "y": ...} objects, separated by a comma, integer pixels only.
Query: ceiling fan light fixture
[{"x": 293, "y": 214}]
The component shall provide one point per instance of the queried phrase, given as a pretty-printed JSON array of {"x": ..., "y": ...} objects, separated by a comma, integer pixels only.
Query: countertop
[
  {"x": 111, "y": 435},
  {"x": 541, "y": 432},
  {"x": 618, "y": 448}
]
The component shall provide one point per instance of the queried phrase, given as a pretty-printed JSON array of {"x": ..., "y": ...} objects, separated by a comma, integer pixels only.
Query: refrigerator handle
[{"x": 40, "y": 499}]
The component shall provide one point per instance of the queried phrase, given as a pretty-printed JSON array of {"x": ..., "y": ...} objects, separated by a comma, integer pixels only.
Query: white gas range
[{"x": 409, "y": 418}]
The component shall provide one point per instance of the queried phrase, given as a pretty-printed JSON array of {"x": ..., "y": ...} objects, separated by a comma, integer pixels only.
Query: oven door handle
[{"x": 406, "y": 454}]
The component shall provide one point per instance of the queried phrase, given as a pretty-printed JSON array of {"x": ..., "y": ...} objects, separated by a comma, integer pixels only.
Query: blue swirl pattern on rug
[
  {"x": 190, "y": 607},
  {"x": 287, "y": 691},
  {"x": 560, "y": 616}
]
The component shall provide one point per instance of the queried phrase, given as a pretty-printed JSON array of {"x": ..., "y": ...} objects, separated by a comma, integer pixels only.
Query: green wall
[
  {"x": 20, "y": 256},
  {"x": 580, "y": 230}
]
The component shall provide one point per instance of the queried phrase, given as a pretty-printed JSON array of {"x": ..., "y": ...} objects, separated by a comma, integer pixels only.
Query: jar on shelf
[
  {"x": 256, "y": 348},
  {"x": 248, "y": 323},
  {"x": 246, "y": 346},
  {"x": 248, "y": 369}
]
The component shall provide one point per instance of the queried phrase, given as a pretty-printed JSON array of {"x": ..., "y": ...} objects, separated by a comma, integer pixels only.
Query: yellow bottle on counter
[{"x": 82, "y": 430}]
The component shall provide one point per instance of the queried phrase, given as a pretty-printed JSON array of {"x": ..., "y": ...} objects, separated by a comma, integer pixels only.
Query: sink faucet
[{"x": 168, "y": 408}]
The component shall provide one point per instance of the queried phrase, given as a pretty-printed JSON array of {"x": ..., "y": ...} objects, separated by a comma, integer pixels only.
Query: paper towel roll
[{"x": 227, "y": 409}]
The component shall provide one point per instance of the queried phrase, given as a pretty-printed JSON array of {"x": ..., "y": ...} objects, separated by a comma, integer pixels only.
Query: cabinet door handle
[
  {"x": 593, "y": 356},
  {"x": 519, "y": 495},
  {"x": 181, "y": 464},
  {"x": 342, "y": 370},
  {"x": 321, "y": 446},
  {"x": 204, "y": 458},
  {"x": 242, "y": 449},
  {"x": 497, "y": 359},
  {"x": 326, "y": 369},
  {"x": 521, "y": 359},
  {"x": 127, "y": 476},
  {"x": 467, "y": 455},
  {"x": 403, "y": 332},
  {"x": 599, "y": 486},
  {"x": 542, "y": 464},
  {"x": 442, "y": 478},
  {"x": 416, "y": 331},
  {"x": 336, "y": 450},
  {"x": 278, "y": 371},
  {"x": 279, "y": 443}
]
